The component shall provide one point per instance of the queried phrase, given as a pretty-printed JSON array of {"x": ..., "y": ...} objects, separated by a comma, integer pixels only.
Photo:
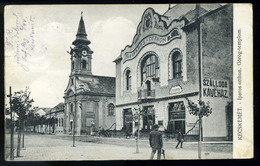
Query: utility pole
[
  {"x": 12, "y": 126},
  {"x": 200, "y": 73}
]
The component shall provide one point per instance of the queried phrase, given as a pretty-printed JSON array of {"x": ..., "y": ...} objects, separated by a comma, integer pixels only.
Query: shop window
[
  {"x": 84, "y": 64},
  {"x": 177, "y": 65},
  {"x": 128, "y": 80},
  {"x": 149, "y": 67},
  {"x": 111, "y": 109}
]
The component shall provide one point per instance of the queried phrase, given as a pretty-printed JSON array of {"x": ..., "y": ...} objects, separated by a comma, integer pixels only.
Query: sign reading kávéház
[{"x": 215, "y": 88}]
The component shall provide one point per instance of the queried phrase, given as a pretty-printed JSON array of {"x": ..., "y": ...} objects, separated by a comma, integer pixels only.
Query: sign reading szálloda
[{"x": 215, "y": 88}]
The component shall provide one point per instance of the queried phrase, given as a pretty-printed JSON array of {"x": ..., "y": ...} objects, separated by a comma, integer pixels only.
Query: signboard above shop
[{"x": 215, "y": 88}]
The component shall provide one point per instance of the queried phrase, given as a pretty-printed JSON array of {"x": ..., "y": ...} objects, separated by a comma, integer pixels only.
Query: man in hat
[{"x": 156, "y": 142}]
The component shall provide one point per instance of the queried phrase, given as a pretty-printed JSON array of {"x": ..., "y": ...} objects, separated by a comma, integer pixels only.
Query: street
[{"x": 52, "y": 148}]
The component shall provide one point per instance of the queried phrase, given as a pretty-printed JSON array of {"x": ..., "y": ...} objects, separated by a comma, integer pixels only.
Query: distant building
[
  {"x": 55, "y": 119},
  {"x": 40, "y": 113},
  {"x": 89, "y": 99},
  {"x": 185, "y": 53}
]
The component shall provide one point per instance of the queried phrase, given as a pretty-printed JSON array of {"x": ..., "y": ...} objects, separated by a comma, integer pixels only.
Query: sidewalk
[{"x": 53, "y": 148}]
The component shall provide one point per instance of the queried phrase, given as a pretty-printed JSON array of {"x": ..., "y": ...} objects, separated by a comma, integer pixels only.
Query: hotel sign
[
  {"x": 155, "y": 39},
  {"x": 215, "y": 88}
]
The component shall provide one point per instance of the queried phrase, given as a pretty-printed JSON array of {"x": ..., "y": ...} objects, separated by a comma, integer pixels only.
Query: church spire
[{"x": 81, "y": 36}]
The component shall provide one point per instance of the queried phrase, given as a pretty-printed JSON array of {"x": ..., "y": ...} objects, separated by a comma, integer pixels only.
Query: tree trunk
[
  {"x": 23, "y": 134},
  {"x": 34, "y": 126},
  {"x": 19, "y": 140},
  {"x": 199, "y": 143}
]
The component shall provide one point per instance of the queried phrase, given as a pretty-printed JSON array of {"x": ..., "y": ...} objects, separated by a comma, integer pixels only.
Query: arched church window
[
  {"x": 111, "y": 108},
  {"x": 128, "y": 80},
  {"x": 149, "y": 67},
  {"x": 84, "y": 64},
  {"x": 71, "y": 107},
  {"x": 72, "y": 65},
  {"x": 177, "y": 65}
]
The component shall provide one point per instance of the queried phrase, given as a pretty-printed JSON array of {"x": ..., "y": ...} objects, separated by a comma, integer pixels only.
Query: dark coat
[
  {"x": 179, "y": 136},
  {"x": 155, "y": 139}
]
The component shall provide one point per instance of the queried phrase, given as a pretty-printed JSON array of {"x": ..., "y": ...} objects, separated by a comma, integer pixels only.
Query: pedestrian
[
  {"x": 156, "y": 142},
  {"x": 179, "y": 138}
]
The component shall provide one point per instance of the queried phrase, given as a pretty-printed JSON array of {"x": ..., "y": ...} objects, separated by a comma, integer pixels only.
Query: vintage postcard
[{"x": 128, "y": 82}]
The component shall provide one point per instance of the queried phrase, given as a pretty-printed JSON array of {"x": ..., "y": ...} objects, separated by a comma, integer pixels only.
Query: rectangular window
[
  {"x": 89, "y": 122},
  {"x": 160, "y": 122}
]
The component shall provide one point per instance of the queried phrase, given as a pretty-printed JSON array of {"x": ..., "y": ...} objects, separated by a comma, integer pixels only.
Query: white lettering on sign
[
  {"x": 215, "y": 88},
  {"x": 156, "y": 39}
]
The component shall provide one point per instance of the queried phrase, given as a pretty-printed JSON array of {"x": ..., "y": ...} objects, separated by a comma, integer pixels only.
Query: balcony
[{"x": 146, "y": 94}]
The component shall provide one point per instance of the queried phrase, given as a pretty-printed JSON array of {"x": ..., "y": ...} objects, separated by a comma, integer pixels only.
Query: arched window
[
  {"x": 177, "y": 65},
  {"x": 128, "y": 80},
  {"x": 111, "y": 108},
  {"x": 84, "y": 64},
  {"x": 149, "y": 67},
  {"x": 71, "y": 107},
  {"x": 72, "y": 65},
  {"x": 59, "y": 122},
  {"x": 62, "y": 122}
]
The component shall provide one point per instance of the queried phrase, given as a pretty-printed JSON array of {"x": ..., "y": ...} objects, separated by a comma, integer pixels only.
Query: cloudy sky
[{"x": 37, "y": 39}]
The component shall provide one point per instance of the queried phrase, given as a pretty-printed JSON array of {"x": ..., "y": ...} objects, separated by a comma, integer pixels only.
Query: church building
[
  {"x": 185, "y": 53},
  {"x": 89, "y": 99}
]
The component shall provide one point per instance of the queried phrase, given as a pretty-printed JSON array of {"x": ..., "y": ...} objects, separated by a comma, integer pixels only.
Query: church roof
[
  {"x": 98, "y": 85},
  {"x": 81, "y": 36}
]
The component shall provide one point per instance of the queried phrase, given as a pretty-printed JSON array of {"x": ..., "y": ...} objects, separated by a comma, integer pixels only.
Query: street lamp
[{"x": 73, "y": 132}]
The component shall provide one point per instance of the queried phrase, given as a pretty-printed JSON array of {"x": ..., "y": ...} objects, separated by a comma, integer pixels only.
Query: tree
[
  {"x": 21, "y": 104},
  {"x": 138, "y": 114},
  {"x": 201, "y": 109}
]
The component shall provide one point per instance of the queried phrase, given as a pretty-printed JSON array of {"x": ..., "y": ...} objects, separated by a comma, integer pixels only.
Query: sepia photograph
[{"x": 127, "y": 82}]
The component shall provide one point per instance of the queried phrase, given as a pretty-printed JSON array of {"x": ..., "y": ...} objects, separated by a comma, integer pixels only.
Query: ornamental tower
[{"x": 81, "y": 54}]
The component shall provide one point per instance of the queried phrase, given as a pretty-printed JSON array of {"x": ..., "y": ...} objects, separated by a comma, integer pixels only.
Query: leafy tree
[
  {"x": 201, "y": 109},
  {"x": 21, "y": 105}
]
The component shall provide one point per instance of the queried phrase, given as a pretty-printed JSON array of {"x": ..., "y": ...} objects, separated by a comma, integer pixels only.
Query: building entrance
[
  {"x": 149, "y": 118},
  {"x": 128, "y": 123},
  {"x": 176, "y": 117}
]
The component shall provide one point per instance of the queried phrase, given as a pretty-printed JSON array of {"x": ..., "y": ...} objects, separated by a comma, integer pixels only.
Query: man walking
[
  {"x": 156, "y": 142},
  {"x": 179, "y": 138}
]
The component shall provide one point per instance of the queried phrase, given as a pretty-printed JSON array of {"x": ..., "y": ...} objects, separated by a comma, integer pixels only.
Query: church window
[
  {"x": 177, "y": 65},
  {"x": 71, "y": 107},
  {"x": 111, "y": 109},
  {"x": 149, "y": 67},
  {"x": 128, "y": 80},
  {"x": 84, "y": 64},
  {"x": 72, "y": 65}
]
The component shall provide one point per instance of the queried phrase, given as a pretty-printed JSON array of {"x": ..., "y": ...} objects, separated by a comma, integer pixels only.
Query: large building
[
  {"x": 185, "y": 53},
  {"x": 89, "y": 99}
]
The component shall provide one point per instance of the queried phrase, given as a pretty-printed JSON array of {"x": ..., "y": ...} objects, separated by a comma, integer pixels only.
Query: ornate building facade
[
  {"x": 185, "y": 53},
  {"x": 89, "y": 99}
]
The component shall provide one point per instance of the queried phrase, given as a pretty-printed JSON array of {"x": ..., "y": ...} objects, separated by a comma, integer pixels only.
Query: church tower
[
  {"x": 87, "y": 97},
  {"x": 81, "y": 54}
]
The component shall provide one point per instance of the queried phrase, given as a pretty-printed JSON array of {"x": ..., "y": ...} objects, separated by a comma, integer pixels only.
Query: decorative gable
[{"x": 153, "y": 28}]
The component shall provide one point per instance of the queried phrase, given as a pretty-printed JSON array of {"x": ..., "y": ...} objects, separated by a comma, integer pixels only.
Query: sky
[{"x": 37, "y": 39}]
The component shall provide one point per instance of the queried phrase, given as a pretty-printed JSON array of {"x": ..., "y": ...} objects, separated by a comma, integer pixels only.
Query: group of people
[{"x": 156, "y": 142}]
